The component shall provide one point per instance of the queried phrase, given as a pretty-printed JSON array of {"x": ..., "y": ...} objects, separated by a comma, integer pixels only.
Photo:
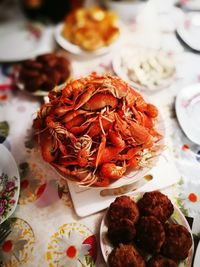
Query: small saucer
[
  {"x": 189, "y": 30},
  {"x": 9, "y": 184},
  {"x": 188, "y": 110}
]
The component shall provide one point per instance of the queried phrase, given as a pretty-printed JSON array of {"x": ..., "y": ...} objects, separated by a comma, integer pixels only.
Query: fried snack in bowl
[
  {"x": 91, "y": 28},
  {"x": 96, "y": 130}
]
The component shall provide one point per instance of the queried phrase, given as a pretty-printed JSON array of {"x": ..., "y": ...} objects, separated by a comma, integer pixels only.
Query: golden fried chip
[{"x": 91, "y": 28}]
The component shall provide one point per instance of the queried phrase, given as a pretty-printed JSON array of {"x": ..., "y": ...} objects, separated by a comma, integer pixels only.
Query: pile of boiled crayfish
[{"x": 96, "y": 129}]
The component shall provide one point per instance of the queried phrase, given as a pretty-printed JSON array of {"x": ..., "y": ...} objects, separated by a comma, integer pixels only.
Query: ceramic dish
[
  {"x": 75, "y": 49},
  {"x": 145, "y": 69},
  {"x": 188, "y": 109},
  {"x": 177, "y": 217},
  {"x": 22, "y": 85},
  {"x": 30, "y": 39},
  {"x": 197, "y": 256},
  {"x": 189, "y": 30},
  {"x": 191, "y": 5},
  {"x": 76, "y": 236},
  {"x": 9, "y": 184}
]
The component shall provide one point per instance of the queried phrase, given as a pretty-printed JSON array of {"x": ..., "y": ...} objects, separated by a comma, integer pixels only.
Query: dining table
[{"x": 50, "y": 207}]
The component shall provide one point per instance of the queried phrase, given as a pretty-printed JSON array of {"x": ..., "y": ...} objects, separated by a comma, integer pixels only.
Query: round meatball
[
  {"x": 177, "y": 243},
  {"x": 156, "y": 204},
  {"x": 46, "y": 58},
  {"x": 125, "y": 256},
  {"x": 121, "y": 231},
  {"x": 150, "y": 234},
  {"x": 160, "y": 261},
  {"x": 32, "y": 64},
  {"x": 27, "y": 74},
  {"x": 123, "y": 207},
  {"x": 44, "y": 72},
  {"x": 35, "y": 83}
]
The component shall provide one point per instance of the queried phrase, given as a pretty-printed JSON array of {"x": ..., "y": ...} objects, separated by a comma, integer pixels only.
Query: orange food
[
  {"x": 94, "y": 131},
  {"x": 91, "y": 28}
]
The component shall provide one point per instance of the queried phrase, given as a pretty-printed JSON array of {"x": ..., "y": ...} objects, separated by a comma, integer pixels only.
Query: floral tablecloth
[{"x": 45, "y": 209}]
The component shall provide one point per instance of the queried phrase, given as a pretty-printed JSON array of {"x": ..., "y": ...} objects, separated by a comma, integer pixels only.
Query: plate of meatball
[
  {"x": 145, "y": 231},
  {"x": 41, "y": 74}
]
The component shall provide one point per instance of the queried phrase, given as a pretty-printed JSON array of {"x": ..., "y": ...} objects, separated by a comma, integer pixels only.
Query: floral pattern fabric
[
  {"x": 8, "y": 187},
  {"x": 45, "y": 210}
]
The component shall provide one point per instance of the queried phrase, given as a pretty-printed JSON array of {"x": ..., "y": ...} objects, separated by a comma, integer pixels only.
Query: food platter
[
  {"x": 9, "y": 184},
  {"x": 145, "y": 69},
  {"x": 75, "y": 49},
  {"x": 38, "y": 76},
  {"x": 177, "y": 217},
  {"x": 100, "y": 168},
  {"x": 187, "y": 110}
]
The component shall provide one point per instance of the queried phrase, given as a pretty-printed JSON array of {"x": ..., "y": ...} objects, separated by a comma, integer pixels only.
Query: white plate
[
  {"x": 177, "y": 217},
  {"x": 189, "y": 30},
  {"x": 126, "y": 10},
  {"x": 188, "y": 109},
  {"x": 78, "y": 235},
  {"x": 130, "y": 52},
  {"x": 197, "y": 256},
  {"x": 8, "y": 166},
  {"x": 75, "y": 49},
  {"x": 23, "y": 40},
  {"x": 193, "y": 5}
]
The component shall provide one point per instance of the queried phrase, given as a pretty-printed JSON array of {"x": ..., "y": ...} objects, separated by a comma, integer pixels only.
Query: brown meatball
[
  {"x": 46, "y": 58},
  {"x": 123, "y": 207},
  {"x": 55, "y": 68},
  {"x": 160, "y": 261},
  {"x": 48, "y": 85},
  {"x": 150, "y": 234},
  {"x": 64, "y": 76},
  {"x": 61, "y": 61},
  {"x": 53, "y": 75},
  {"x": 177, "y": 243},
  {"x": 156, "y": 204},
  {"x": 32, "y": 64},
  {"x": 121, "y": 231},
  {"x": 35, "y": 83},
  {"x": 125, "y": 256},
  {"x": 62, "y": 66},
  {"x": 27, "y": 74}
]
